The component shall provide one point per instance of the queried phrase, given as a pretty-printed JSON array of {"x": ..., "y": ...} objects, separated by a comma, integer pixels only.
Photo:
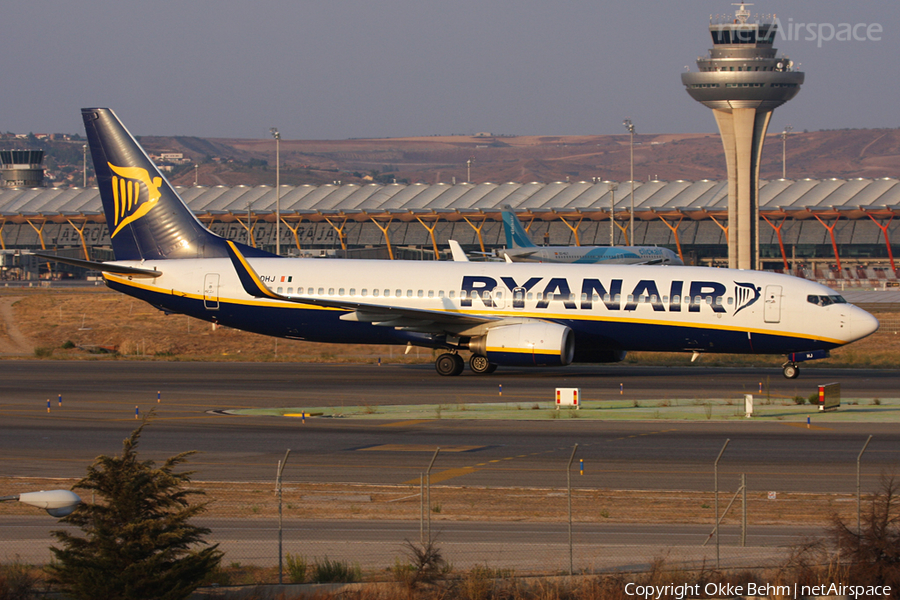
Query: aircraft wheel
[
  {"x": 791, "y": 371},
  {"x": 481, "y": 365},
  {"x": 449, "y": 365}
]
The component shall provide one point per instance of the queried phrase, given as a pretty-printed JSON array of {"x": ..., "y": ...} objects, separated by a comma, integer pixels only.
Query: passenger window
[
  {"x": 331, "y": 291},
  {"x": 420, "y": 294},
  {"x": 409, "y": 293},
  {"x": 375, "y": 293},
  {"x": 290, "y": 290},
  {"x": 718, "y": 300},
  {"x": 365, "y": 292},
  {"x": 486, "y": 295},
  {"x": 730, "y": 300},
  {"x": 398, "y": 293},
  {"x": 278, "y": 291},
  {"x": 321, "y": 291},
  {"x": 352, "y": 291},
  {"x": 630, "y": 298},
  {"x": 441, "y": 294},
  {"x": 606, "y": 297},
  {"x": 387, "y": 293},
  {"x": 697, "y": 299},
  {"x": 676, "y": 299},
  {"x": 341, "y": 292},
  {"x": 452, "y": 293},
  {"x": 431, "y": 293}
]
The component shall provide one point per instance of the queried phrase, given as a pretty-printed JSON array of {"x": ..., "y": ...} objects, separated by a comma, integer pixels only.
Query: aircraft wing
[
  {"x": 377, "y": 314},
  {"x": 101, "y": 266}
]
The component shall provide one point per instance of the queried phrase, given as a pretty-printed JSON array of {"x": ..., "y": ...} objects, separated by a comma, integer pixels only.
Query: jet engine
[{"x": 530, "y": 344}]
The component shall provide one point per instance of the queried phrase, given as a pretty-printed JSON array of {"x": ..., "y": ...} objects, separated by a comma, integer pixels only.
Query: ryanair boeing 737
[{"x": 524, "y": 314}]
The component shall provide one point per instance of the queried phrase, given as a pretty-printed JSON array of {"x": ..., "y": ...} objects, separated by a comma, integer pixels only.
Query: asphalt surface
[{"x": 100, "y": 400}]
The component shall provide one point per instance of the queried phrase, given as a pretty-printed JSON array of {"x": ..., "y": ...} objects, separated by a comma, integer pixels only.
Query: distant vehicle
[
  {"x": 520, "y": 248},
  {"x": 502, "y": 314}
]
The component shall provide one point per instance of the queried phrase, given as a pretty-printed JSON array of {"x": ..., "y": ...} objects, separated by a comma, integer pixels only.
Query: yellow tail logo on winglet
[{"x": 126, "y": 190}]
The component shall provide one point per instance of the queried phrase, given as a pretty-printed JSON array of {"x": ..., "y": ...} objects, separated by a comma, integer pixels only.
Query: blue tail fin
[
  {"x": 146, "y": 218},
  {"x": 516, "y": 236}
]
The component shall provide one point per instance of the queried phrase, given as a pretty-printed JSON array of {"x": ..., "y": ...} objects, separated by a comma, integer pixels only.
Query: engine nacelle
[{"x": 526, "y": 344}]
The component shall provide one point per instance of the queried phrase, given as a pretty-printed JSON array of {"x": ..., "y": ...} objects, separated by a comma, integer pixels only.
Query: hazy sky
[{"x": 335, "y": 69}]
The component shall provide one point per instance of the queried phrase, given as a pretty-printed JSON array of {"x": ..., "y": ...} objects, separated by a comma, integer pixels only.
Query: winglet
[
  {"x": 456, "y": 250},
  {"x": 253, "y": 285}
]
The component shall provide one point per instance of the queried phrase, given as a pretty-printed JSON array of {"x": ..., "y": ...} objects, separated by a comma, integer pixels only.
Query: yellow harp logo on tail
[{"x": 126, "y": 188}]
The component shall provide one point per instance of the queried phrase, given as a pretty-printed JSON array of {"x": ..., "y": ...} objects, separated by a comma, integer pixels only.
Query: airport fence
[{"x": 552, "y": 527}]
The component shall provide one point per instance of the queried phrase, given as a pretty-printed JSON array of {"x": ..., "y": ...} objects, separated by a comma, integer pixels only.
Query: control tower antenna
[{"x": 743, "y": 81}]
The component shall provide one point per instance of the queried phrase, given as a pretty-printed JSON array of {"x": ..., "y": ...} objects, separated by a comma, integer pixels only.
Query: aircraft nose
[{"x": 862, "y": 324}]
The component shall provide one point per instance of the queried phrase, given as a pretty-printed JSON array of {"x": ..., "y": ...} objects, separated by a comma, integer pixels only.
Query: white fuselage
[{"x": 666, "y": 308}]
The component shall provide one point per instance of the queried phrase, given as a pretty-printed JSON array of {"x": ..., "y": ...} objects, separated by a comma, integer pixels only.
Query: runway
[{"x": 100, "y": 399}]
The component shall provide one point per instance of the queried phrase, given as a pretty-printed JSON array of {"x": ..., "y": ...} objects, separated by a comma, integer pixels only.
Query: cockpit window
[{"x": 825, "y": 300}]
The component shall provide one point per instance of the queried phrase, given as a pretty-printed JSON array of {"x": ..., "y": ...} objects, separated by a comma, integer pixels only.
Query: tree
[{"x": 137, "y": 540}]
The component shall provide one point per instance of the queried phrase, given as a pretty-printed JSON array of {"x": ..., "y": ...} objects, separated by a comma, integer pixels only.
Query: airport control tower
[{"x": 743, "y": 81}]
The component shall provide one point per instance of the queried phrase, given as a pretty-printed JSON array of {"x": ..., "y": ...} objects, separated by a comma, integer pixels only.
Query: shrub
[
  {"x": 296, "y": 566},
  {"x": 17, "y": 582},
  {"x": 68, "y": 345},
  {"x": 335, "y": 571},
  {"x": 43, "y": 352},
  {"x": 426, "y": 564},
  {"x": 875, "y": 552}
]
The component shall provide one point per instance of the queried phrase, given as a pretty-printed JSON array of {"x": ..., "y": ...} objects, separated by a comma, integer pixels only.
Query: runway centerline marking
[{"x": 805, "y": 426}]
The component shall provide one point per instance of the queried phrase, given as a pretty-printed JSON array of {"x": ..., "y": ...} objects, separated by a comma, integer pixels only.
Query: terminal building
[{"x": 834, "y": 230}]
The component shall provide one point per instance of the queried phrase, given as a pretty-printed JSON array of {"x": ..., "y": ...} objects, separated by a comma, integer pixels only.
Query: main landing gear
[
  {"x": 480, "y": 365},
  {"x": 450, "y": 364}
]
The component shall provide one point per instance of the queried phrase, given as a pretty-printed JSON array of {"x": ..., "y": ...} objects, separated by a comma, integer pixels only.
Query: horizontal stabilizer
[{"x": 101, "y": 266}]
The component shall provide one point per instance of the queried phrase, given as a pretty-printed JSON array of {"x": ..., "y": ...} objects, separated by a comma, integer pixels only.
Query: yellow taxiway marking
[
  {"x": 417, "y": 448},
  {"x": 445, "y": 475}
]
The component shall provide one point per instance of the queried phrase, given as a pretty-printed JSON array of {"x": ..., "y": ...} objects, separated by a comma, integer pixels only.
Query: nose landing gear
[{"x": 790, "y": 370}]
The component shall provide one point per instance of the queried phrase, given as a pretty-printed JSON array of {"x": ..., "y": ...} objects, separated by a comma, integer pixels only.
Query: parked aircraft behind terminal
[
  {"x": 523, "y": 314},
  {"x": 520, "y": 248}
]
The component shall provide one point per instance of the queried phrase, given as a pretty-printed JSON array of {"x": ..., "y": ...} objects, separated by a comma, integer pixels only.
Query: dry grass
[
  {"x": 99, "y": 317},
  {"x": 399, "y": 502}
]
